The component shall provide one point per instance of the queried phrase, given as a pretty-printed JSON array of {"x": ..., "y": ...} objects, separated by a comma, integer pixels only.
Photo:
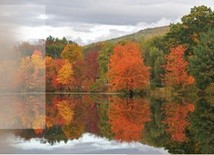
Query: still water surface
[{"x": 108, "y": 124}]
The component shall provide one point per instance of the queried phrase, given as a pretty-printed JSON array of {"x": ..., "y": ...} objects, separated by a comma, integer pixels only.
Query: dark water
[{"x": 108, "y": 124}]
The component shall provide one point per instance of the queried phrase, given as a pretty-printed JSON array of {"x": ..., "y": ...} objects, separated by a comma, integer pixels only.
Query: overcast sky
[{"x": 87, "y": 21}]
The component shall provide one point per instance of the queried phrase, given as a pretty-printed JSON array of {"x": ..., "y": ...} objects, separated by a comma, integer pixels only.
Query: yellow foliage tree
[
  {"x": 72, "y": 53},
  {"x": 65, "y": 74}
]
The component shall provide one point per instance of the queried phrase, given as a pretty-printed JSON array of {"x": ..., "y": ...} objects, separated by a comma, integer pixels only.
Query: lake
[{"x": 105, "y": 124}]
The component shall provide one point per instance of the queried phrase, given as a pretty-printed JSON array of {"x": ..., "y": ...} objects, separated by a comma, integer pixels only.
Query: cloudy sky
[{"x": 87, "y": 21}]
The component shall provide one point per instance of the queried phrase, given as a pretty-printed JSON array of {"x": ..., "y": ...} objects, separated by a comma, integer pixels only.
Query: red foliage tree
[
  {"x": 126, "y": 68},
  {"x": 85, "y": 71},
  {"x": 52, "y": 67},
  {"x": 91, "y": 65},
  {"x": 79, "y": 74},
  {"x": 176, "y": 69}
]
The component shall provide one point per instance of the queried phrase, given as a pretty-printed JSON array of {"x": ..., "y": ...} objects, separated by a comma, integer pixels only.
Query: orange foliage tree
[
  {"x": 126, "y": 68},
  {"x": 176, "y": 69},
  {"x": 52, "y": 68},
  {"x": 177, "y": 120},
  {"x": 127, "y": 118}
]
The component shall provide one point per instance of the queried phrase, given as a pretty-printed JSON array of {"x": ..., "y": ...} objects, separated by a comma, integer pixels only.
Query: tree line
[{"x": 181, "y": 58}]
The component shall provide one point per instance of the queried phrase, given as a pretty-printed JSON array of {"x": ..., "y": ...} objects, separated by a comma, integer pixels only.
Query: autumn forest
[{"x": 179, "y": 59}]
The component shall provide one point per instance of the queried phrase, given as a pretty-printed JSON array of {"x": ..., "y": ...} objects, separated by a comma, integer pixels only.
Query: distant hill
[
  {"x": 146, "y": 33},
  {"x": 143, "y": 34}
]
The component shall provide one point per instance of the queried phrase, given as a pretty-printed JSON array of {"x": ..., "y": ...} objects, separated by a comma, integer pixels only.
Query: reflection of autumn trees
[
  {"x": 177, "y": 120},
  {"x": 157, "y": 123},
  {"x": 154, "y": 134},
  {"x": 91, "y": 116},
  {"x": 65, "y": 118},
  {"x": 60, "y": 112},
  {"x": 202, "y": 126},
  {"x": 104, "y": 126},
  {"x": 65, "y": 111},
  {"x": 72, "y": 115},
  {"x": 127, "y": 118},
  {"x": 30, "y": 111}
]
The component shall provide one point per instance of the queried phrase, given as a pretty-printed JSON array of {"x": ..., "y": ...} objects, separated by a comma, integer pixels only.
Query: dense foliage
[{"x": 202, "y": 63}]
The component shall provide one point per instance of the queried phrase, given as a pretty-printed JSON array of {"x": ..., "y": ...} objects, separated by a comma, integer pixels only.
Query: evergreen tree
[{"x": 202, "y": 63}]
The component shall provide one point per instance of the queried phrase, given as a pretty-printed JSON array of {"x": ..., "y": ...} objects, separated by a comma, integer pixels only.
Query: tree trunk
[{"x": 131, "y": 93}]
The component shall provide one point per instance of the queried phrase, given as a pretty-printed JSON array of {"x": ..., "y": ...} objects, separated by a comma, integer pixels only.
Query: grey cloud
[
  {"x": 82, "y": 29},
  {"x": 78, "y": 40},
  {"x": 112, "y": 12},
  {"x": 117, "y": 12},
  {"x": 22, "y": 15},
  {"x": 12, "y": 17},
  {"x": 116, "y": 31},
  {"x": 84, "y": 16}
]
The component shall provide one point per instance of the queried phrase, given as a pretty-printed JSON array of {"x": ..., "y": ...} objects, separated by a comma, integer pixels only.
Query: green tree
[
  {"x": 202, "y": 63},
  {"x": 103, "y": 59},
  {"x": 55, "y": 46},
  {"x": 154, "y": 57},
  {"x": 187, "y": 33},
  {"x": 104, "y": 53}
]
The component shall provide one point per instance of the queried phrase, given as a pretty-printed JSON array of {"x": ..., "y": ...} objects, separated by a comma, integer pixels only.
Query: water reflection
[
  {"x": 202, "y": 126},
  {"x": 176, "y": 120},
  {"x": 127, "y": 118},
  {"x": 22, "y": 111},
  {"x": 180, "y": 126}
]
